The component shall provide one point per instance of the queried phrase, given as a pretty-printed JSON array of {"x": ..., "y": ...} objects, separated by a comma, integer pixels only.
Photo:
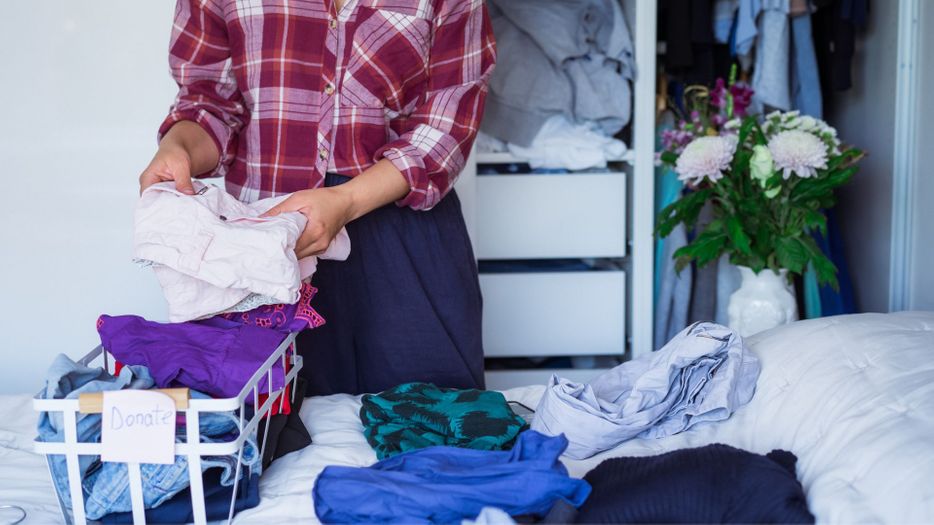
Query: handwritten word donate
[
  {"x": 153, "y": 417},
  {"x": 138, "y": 427}
]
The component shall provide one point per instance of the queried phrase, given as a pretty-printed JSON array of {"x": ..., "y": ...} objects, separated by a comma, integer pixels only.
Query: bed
[{"x": 851, "y": 396}]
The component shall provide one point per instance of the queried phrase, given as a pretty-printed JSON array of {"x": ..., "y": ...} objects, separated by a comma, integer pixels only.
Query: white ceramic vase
[{"x": 764, "y": 300}]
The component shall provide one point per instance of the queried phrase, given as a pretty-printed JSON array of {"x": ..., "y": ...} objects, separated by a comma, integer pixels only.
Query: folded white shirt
[{"x": 211, "y": 252}]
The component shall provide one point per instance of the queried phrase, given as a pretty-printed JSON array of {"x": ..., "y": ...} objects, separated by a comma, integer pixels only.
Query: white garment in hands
[{"x": 210, "y": 252}]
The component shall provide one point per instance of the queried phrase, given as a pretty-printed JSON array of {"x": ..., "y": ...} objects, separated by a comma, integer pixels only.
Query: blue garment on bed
[
  {"x": 448, "y": 484},
  {"x": 703, "y": 374}
]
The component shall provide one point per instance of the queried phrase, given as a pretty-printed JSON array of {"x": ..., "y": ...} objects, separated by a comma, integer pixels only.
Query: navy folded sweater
[{"x": 711, "y": 484}]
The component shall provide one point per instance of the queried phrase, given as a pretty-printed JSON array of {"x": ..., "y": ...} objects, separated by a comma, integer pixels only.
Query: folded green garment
[{"x": 419, "y": 415}]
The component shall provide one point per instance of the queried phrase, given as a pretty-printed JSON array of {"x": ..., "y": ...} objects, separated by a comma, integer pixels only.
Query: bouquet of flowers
[{"x": 768, "y": 181}]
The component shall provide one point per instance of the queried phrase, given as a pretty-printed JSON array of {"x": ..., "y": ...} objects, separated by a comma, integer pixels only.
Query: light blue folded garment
[
  {"x": 106, "y": 485},
  {"x": 703, "y": 374},
  {"x": 66, "y": 379}
]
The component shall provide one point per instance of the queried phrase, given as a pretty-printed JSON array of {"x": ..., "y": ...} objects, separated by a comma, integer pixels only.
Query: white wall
[
  {"x": 921, "y": 293},
  {"x": 84, "y": 85},
  {"x": 865, "y": 117}
]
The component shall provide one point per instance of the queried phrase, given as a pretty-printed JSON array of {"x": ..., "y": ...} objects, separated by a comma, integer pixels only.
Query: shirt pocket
[{"x": 388, "y": 57}]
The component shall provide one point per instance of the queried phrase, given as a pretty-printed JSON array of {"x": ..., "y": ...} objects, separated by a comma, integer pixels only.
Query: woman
[{"x": 365, "y": 111}]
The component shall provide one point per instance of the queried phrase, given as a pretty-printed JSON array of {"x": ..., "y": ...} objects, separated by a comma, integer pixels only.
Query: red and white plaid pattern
[{"x": 289, "y": 90}]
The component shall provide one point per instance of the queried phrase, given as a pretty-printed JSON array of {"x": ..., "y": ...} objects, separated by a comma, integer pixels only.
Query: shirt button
[
  {"x": 322, "y": 153},
  {"x": 332, "y": 23},
  {"x": 329, "y": 89}
]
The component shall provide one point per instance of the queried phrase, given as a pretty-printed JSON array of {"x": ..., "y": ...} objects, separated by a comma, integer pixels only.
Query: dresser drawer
[
  {"x": 551, "y": 216},
  {"x": 561, "y": 313},
  {"x": 506, "y": 379}
]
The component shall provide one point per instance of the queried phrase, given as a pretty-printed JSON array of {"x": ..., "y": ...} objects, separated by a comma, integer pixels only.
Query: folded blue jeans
[
  {"x": 105, "y": 484},
  {"x": 66, "y": 379},
  {"x": 216, "y": 502}
]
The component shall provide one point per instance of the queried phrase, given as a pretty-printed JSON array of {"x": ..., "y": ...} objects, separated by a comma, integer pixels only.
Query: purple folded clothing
[{"x": 218, "y": 361}]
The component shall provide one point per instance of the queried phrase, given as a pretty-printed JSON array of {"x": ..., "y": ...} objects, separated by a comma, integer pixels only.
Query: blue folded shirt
[{"x": 448, "y": 484}]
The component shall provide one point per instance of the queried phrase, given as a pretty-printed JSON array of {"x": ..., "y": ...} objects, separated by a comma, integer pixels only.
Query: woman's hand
[
  {"x": 327, "y": 211},
  {"x": 171, "y": 162},
  {"x": 185, "y": 150}
]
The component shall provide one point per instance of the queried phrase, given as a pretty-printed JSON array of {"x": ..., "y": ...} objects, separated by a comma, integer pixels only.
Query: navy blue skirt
[{"x": 405, "y": 306}]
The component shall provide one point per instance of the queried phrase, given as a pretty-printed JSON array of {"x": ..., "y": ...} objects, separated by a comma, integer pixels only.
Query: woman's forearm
[
  {"x": 377, "y": 186},
  {"x": 196, "y": 142}
]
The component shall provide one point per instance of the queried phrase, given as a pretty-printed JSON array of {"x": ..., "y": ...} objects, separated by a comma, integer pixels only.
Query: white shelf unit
[
  {"x": 505, "y": 157},
  {"x": 575, "y": 215}
]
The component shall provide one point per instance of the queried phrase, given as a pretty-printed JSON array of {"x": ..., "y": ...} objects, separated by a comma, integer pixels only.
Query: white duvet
[{"x": 852, "y": 397}]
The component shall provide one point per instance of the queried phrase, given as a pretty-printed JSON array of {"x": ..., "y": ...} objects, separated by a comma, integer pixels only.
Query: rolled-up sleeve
[
  {"x": 434, "y": 145},
  {"x": 199, "y": 58}
]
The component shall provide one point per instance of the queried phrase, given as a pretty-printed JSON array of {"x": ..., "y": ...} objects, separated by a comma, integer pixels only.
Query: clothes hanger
[{"x": 661, "y": 94}]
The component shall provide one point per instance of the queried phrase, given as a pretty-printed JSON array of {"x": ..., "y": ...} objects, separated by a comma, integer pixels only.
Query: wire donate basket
[{"x": 192, "y": 447}]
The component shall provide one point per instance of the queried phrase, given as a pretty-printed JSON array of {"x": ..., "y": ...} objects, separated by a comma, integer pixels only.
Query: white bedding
[{"x": 852, "y": 397}]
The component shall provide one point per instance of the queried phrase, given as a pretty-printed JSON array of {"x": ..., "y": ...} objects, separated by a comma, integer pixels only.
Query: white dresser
[{"x": 603, "y": 217}]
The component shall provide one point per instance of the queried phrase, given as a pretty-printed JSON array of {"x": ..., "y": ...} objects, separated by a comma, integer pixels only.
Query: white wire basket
[{"x": 192, "y": 448}]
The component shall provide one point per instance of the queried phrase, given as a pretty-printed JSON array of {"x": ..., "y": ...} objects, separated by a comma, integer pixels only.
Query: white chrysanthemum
[
  {"x": 706, "y": 157},
  {"x": 776, "y": 122},
  {"x": 798, "y": 152}
]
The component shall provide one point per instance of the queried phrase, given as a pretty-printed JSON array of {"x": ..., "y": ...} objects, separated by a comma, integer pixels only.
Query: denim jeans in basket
[{"x": 106, "y": 485}]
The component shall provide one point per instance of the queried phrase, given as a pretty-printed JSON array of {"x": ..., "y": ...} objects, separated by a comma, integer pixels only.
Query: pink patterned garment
[
  {"x": 289, "y": 90},
  {"x": 283, "y": 317}
]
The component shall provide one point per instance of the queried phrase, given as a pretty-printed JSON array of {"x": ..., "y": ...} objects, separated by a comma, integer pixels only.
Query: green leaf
[
  {"x": 791, "y": 254},
  {"x": 748, "y": 124},
  {"x": 820, "y": 187},
  {"x": 739, "y": 238},
  {"x": 706, "y": 247},
  {"x": 741, "y": 161},
  {"x": 815, "y": 219},
  {"x": 835, "y": 162},
  {"x": 683, "y": 211},
  {"x": 714, "y": 226},
  {"x": 825, "y": 269},
  {"x": 760, "y": 135},
  {"x": 841, "y": 177},
  {"x": 669, "y": 157}
]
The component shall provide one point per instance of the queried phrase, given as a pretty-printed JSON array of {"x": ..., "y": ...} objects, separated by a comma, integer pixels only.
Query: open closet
[
  {"x": 562, "y": 221},
  {"x": 566, "y": 255}
]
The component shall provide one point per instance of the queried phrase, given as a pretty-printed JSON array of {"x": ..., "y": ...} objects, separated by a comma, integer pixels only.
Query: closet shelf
[{"x": 504, "y": 157}]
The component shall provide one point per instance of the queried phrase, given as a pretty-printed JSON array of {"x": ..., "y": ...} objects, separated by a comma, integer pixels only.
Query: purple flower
[
  {"x": 718, "y": 95},
  {"x": 742, "y": 98}
]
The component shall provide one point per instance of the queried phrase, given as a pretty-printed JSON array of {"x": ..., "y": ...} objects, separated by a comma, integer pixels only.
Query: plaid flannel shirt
[{"x": 291, "y": 89}]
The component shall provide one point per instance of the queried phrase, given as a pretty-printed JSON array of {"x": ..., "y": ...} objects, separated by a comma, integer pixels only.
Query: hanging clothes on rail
[
  {"x": 836, "y": 23},
  {"x": 688, "y": 31}
]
